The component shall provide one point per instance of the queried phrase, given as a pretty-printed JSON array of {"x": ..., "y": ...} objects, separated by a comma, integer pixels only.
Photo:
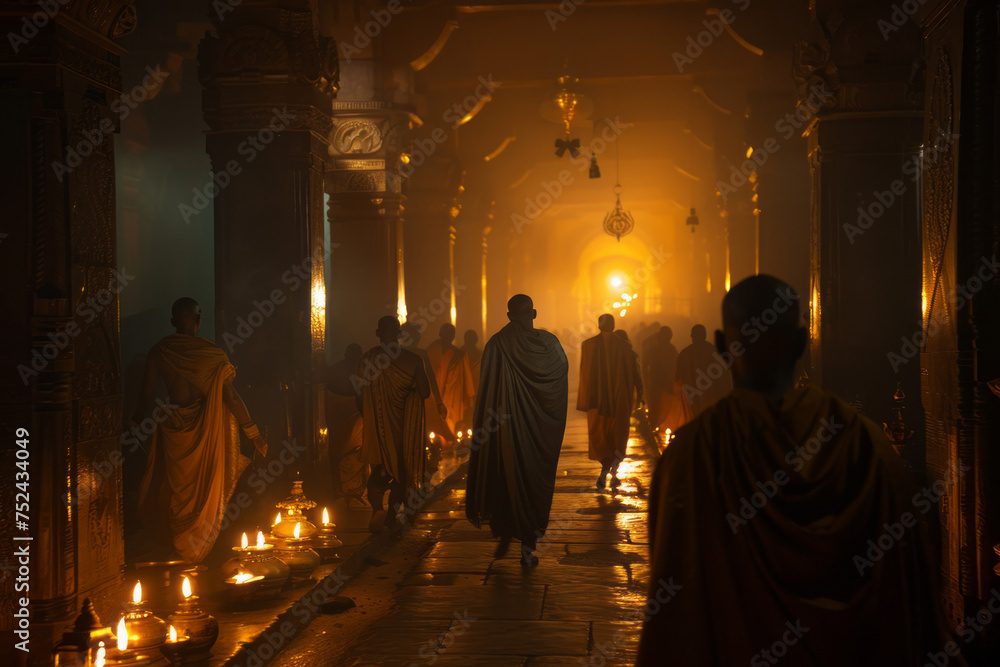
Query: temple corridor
[{"x": 439, "y": 596}]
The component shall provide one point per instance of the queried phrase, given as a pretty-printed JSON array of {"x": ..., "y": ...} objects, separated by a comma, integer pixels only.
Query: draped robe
[
  {"x": 609, "y": 374},
  {"x": 454, "y": 378},
  {"x": 393, "y": 419},
  {"x": 667, "y": 408},
  {"x": 518, "y": 425},
  {"x": 194, "y": 460},
  {"x": 733, "y": 573},
  {"x": 696, "y": 364}
]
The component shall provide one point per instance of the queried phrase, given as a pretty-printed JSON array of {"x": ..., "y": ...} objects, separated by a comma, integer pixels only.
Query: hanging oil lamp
[
  {"x": 298, "y": 555},
  {"x": 618, "y": 222},
  {"x": 145, "y": 631},
  {"x": 191, "y": 622}
]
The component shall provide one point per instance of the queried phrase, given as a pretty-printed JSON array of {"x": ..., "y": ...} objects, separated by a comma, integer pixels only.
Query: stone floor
[{"x": 439, "y": 597}]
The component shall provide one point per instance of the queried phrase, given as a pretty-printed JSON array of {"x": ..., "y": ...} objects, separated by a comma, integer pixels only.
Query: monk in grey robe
[{"x": 517, "y": 433}]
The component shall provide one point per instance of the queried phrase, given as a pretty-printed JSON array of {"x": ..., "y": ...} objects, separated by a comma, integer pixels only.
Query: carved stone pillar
[
  {"x": 961, "y": 297},
  {"x": 864, "y": 141},
  {"x": 62, "y": 98},
  {"x": 366, "y": 207},
  {"x": 269, "y": 79}
]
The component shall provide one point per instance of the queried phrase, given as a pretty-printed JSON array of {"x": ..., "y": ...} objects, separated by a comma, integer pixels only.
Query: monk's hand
[{"x": 261, "y": 446}]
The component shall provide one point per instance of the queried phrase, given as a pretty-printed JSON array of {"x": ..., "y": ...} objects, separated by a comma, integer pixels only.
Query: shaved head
[
  {"x": 521, "y": 311},
  {"x": 388, "y": 328},
  {"x": 185, "y": 315},
  {"x": 606, "y": 322},
  {"x": 760, "y": 321}
]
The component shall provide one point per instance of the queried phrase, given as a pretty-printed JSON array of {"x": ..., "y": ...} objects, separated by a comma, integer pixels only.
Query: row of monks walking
[{"x": 760, "y": 510}]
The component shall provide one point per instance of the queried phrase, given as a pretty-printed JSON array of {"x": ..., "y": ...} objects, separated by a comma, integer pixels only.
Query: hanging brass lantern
[{"x": 618, "y": 222}]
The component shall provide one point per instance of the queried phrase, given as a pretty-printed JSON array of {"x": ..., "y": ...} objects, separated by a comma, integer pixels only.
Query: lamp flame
[
  {"x": 173, "y": 632},
  {"x": 186, "y": 586},
  {"x": 242, "y": 577},
  {"x": 246, "y": 542},
  {"x": 260, "y": 539},
  {"x": 277, "y": 520},
  {"x": 137, "y": 592},
  {"x": 122, "y": 635},
  {"x": 297, "y": 527},
  {"x": 326, "y": 517},
  {"x": 101, "y": 652}
]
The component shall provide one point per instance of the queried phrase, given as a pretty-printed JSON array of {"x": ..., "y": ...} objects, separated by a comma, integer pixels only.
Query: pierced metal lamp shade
[{"x": 618, "y": 222}]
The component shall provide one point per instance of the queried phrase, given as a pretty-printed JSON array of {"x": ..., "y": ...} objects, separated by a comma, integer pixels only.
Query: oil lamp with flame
[
  {"x": 190, "y": 621},
  {"x": 256, "y": 571},
  {"x": 297, "y": 554},
  {"x": 326, "y": 541},
  {"x": 128, "y": 653},
  {"x": 291, "y": 514},
  {"x": 175, "y": 646},
  {"x": 145, "y": 631}
]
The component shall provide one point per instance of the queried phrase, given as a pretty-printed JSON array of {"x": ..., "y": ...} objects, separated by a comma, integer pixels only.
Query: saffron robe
[
  {"x": 667, "y": 408},
  {"x": 737, "y": 573},
  {"x": 194, "y": 460},
  {"x": 393, "y": 420},
  {"x": 704, "y": 376},
  {"x": 518, "y": 428},
  {"x": 609, "y": 376},
  {"x": 454, "y": 379}
]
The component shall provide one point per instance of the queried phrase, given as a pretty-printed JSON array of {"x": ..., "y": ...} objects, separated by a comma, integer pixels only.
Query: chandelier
[
  {"x": 566, "y": 105},
  {"x": 618, "y": 222}
]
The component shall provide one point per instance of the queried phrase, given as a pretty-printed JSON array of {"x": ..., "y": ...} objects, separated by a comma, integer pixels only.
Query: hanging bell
[{"x": 595, "y": 171}]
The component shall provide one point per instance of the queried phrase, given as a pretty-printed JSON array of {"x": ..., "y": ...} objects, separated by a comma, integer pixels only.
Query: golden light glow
[
  {"x": 432, "y": 436},
  {"x": 923, "y": 303},
  {"x": 622, "y": 314},
  {"x": 326, "y": 517},
  {"x": 616, "y": 281},
  {"x": 401, "y": 313},
  {"x": 323, "y": 432},
  {"x": 260, "y": 539},
  {"x": 277, "y": 519},
  {"x": 186, "y": 586},
  {"x": 137, "y": 592},
  {"x": 318, "y": 314},
  {"x": 404, "y": 158},
  {"x": 242, "y": 577},
  {"x": 245, "y": 542},
  {"x": 122, "y": 635},
  {"x": 101, "y": 652},
  {"x": 749, "y": 151},
  {"x": 298, "y": 528},
  {"x": 173, "y": 634}
]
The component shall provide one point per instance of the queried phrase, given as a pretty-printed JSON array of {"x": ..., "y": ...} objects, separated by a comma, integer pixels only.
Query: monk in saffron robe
[
  {"x": 343, "y": 419},
  {"x": 609, "y": 386},
  {"x": 392, "y": 409},
  {"x": 434, "y": 408},
  {"x": 194, "y": 461},
  {"x": 704, "y": 376},
  {"x": 517, "y": 432},
  {"x": 667, "y": 408},
  {"x": 453, "y": 374},
  {"x": 763, "y": 514}
]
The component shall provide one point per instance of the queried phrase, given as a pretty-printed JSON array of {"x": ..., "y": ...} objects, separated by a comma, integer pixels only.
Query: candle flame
[
  {"x": 260, "y": 539},
  {"x": 122, "y": 635},
  {"x": 432, "y": 435},
  {"x": 297, "y": 527},
  {"x": 186, "y": 586},
  {"x": 101, "y": 652},
  {"x": 469, "y": 433},
  {"x": 242, "y": 577},
  {"x": 326, "y": 517},
  {"x": 173, "y": 631},
  {"x": 246, "y": 542},
  {"x": 277, "y": 520},
  {"x": 137, "y": 592}
]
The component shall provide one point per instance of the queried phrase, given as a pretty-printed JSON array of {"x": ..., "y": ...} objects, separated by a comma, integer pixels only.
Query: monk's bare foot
[
  {"x": 377, "y": 521},
  {"x": 502, "y": 547},
  {"x": 615, "y": 482}
]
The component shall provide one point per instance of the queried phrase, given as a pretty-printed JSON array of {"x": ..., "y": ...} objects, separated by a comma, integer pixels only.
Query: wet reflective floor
[{"x": 439, "y": 597}]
